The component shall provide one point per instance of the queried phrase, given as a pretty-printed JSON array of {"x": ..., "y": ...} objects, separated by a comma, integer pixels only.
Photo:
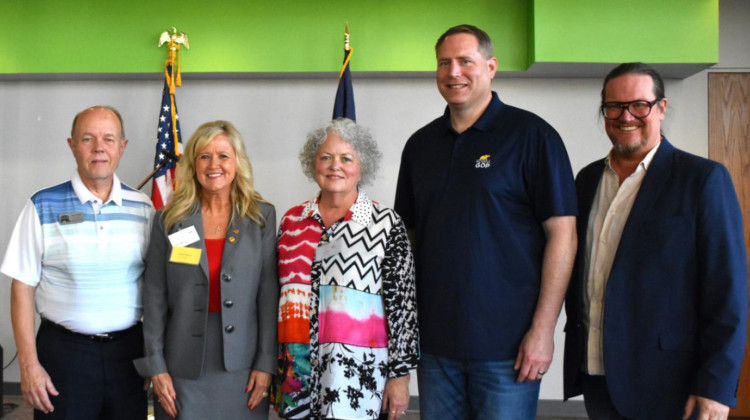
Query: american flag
[{"x": 167, "y": 150}]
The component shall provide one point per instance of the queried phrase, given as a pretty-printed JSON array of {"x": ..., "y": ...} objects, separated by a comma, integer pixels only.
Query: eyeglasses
[{"x": 638, "y": 109}]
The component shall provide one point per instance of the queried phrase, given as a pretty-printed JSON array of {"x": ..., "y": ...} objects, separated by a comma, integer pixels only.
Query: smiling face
[
  {"x": 631, "y": 136},
  {"x": 464, "y": 76},
  {"x": 216, "y": 166},
  {"x": 337, "y": 167},
  {"x": 97, "y": 146}
]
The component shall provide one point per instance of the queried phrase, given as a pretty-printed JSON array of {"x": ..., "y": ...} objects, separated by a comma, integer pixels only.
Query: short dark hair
[
  {"x": 635, "y": 68},
  {"x": 108, "y": 108},
  {"x": 485, "y": 43}
]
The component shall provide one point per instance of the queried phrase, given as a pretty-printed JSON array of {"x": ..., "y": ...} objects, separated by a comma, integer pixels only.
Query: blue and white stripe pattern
[{"x": 89, "y": 273}]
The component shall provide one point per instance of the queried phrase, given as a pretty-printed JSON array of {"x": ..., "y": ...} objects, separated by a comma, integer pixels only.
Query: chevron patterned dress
[{"x": 347, "y": 311}]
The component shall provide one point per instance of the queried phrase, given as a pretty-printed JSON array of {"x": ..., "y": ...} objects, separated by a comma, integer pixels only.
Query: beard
[{"x": 629, "y": 149}]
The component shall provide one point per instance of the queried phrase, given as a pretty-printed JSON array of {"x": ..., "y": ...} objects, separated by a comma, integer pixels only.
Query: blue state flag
[{"x": 344, "y": 105}]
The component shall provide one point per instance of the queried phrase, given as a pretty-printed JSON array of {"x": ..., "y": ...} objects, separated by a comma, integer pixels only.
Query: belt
[{"x": 100, "y": 338}]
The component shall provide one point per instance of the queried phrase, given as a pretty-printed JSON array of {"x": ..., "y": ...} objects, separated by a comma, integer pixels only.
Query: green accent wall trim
[
  {"x": 85, "y": 36},
  {"x": 616, "y": 31},
  {"x": 74, "y": 37}
]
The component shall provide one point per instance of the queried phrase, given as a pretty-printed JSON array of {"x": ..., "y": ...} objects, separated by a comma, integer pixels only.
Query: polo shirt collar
[
  {"x": 84, "y": 195},
  {"x": 485, "y": 120},
  {"x": 360, "y": 212}
]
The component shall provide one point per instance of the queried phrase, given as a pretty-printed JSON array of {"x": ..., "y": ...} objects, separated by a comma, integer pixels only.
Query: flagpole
[
  {"x": 147, "y": 178},
  {"x": 343, "y": 105},
  {"x": 347, "y": 50},
  {"x": 168, "y": 137},
  {"x": 174, "y": 77}
]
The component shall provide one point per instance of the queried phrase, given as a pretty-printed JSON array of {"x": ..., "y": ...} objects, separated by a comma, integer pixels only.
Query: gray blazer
[{"x": 175, "y": 300}]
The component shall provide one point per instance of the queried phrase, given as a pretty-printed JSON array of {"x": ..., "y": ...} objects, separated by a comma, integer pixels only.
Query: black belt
[{"x": 100, "y": 338}]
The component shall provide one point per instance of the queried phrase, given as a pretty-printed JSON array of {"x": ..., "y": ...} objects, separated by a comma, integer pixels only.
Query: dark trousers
[{"x": 95, "y": 379}]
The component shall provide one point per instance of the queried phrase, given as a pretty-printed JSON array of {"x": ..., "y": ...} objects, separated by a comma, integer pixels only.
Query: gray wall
[{"x": 275, "y": 114}]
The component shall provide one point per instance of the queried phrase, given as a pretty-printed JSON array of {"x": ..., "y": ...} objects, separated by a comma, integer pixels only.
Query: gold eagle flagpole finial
[{"x": 173, "y": 41}]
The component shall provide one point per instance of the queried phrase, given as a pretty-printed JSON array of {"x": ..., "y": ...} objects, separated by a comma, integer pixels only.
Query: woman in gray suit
[{"x": 210, "y": 292}]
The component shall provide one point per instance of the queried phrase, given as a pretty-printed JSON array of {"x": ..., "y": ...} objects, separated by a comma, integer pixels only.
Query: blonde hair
[{"x": 245, "y": 199}]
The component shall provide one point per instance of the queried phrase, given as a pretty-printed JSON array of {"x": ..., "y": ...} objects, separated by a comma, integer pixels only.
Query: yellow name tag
[{"x": 185, "y": 255}]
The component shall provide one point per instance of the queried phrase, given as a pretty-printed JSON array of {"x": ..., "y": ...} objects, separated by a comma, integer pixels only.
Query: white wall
[{"x": 275, "y": 114}]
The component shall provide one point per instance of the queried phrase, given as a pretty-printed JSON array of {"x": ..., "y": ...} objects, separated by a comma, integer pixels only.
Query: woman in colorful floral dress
[{"x": 347, "y": 309}]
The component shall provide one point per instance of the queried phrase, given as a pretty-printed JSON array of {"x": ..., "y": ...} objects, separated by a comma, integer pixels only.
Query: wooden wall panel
[{"x": 729, "y": 143}]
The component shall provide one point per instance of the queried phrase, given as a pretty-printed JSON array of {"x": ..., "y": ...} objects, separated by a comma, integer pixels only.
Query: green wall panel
[
  {"x": 613, "y": 31},
  {"x": 84, "y": 36}
]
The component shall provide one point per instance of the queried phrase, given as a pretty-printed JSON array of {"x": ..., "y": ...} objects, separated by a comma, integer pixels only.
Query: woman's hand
[
  {"x": 396, "y": 397},
  {"x": 257, "y": 386},
  {"x": 165, "y": 393}
]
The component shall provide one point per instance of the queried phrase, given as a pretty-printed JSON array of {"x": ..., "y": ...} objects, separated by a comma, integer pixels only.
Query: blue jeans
[{"x": 455, "y": 389}]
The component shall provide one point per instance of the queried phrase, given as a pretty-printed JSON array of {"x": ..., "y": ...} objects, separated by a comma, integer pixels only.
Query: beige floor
[{"x": 21, "y": 411}]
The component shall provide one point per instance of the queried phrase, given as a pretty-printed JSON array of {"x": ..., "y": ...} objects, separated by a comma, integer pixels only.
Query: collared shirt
[
  {"x": 609, "y": 214},
  {"x": 477, "y": 202},
  {"x": 347, "y": 299},
  {"x": 84, "y": 256}
]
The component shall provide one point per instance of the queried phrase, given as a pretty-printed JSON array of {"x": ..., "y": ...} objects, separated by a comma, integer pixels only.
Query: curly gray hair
[{"x": 349, "y": 131}]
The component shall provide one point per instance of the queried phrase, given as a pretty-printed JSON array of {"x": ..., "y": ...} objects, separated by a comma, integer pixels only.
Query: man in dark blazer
[{"x": 657, "y": 305}]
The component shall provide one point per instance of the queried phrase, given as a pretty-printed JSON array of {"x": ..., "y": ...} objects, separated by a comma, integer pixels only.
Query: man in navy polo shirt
[{"x": 488, "y": 196}]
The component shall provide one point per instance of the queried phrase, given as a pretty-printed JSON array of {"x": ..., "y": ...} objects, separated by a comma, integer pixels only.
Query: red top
[{"x": 214, "y": 251}]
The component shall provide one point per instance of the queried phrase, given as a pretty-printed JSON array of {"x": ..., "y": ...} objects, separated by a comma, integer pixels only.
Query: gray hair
[{"x": 349, "y": 131}]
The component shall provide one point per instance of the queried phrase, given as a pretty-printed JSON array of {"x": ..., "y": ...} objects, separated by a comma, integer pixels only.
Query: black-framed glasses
[{"x": 638, "y": 109}]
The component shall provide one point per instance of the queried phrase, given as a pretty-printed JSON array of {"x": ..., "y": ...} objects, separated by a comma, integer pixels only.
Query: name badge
[
  {"x": 70, "y": 218},
  {"x": 328, "y": 250},
  {"x": 184, "y": 237},
  {"x": 184, "y": 255}
]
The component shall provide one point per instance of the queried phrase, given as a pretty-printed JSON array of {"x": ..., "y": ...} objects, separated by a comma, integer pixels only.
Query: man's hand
[
  {"x": 534, "y": 355},
  {"x": 36, "y": 387},
  {"x": 36, "y": 384},
  {"x": 707, "y": 409}
]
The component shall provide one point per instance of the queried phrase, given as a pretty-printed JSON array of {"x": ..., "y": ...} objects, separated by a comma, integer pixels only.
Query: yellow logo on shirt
[{"x": 483, "y": 162}]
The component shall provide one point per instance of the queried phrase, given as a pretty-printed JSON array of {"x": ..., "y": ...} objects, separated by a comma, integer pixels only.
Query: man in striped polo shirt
[{"x": 77, "y": 253}]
